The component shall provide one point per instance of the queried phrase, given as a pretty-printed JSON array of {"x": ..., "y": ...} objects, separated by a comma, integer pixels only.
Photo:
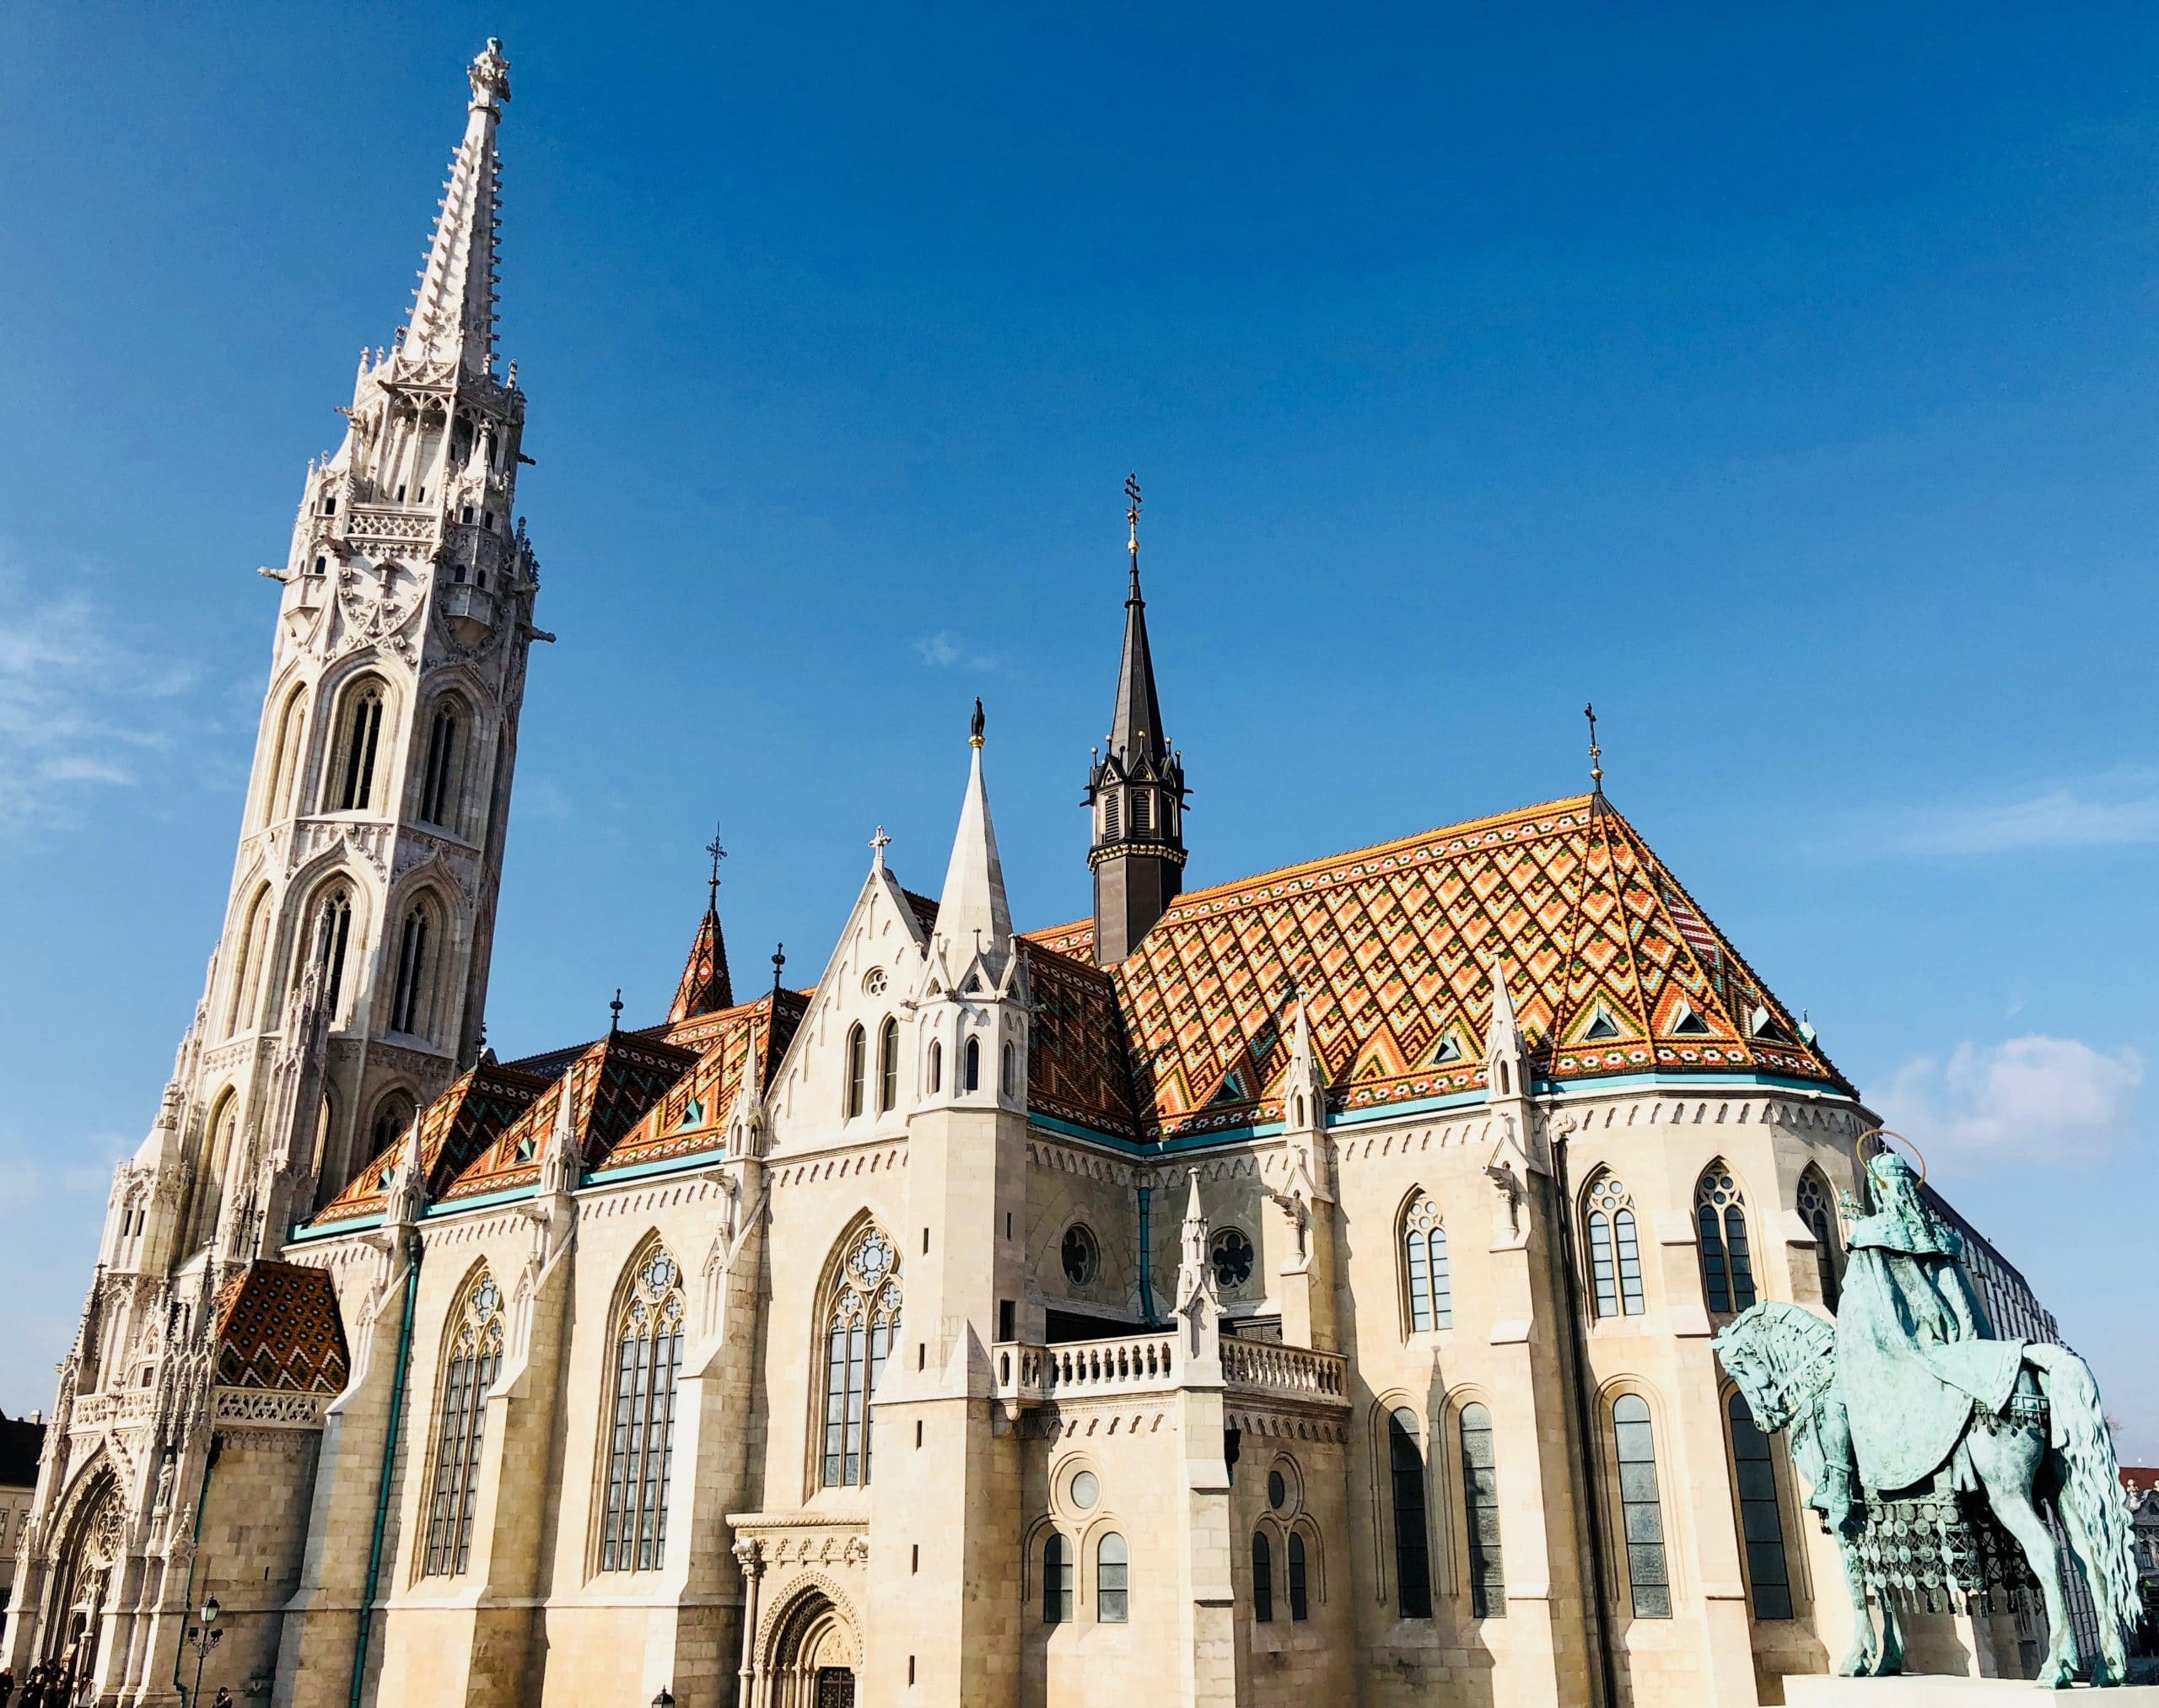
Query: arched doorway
[
  {"x": 814, "y": 1656},
  {"x": 80, "y": 1589}
]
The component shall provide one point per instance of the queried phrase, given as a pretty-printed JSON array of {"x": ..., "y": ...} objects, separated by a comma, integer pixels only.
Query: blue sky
[{"x": 1784, "y": 382}]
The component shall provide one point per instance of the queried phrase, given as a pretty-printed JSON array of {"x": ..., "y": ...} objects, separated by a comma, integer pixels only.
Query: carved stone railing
[
  {"x": 107, "y": 1410},
  {"x": 1268, "y": 1367},
  {"x": 271, "y": 1408},
  {"x": 1138, "y": 1363}
]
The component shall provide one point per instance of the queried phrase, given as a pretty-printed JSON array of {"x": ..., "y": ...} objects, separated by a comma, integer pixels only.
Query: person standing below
[{"x": 6, "y": 1684}]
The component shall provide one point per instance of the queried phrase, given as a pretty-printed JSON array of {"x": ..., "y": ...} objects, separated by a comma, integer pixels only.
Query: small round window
[
  {"x": 1277, "y": 1490},
  {"x": 1233, "y": 1254},
  {"x": 1080, "y": 1255},
  {"x": 1085, "y": 1491},
  {"x": 873, "y": 981}
]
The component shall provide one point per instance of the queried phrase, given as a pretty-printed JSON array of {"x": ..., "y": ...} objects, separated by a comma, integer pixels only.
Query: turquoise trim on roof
[{"x": 666, "y": 1165}]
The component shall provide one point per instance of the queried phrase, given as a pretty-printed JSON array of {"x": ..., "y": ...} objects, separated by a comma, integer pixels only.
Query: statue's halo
[{"x": 1883, "y": 1135}]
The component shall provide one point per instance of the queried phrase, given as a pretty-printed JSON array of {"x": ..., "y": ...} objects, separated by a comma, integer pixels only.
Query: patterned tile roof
[
  {"x": 454, "y": 1130},
  {"x": 693, "y": 1114},
  {"x": 1612, "y": 967},
  {"x": 610, "y": 1085},
  {"x": 278, "y": 1327},
  {"x": 704, "y": 987},
  {"x": 1078, "y": 1063}
]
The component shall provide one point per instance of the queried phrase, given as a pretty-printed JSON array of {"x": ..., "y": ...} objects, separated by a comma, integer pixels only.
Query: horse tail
[{"x": 2091, "y": 1500}]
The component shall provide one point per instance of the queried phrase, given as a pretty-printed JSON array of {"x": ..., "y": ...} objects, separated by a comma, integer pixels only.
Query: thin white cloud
[
  {"x": 946, "y": 648},
  {"x": 2122, "y": 812},
  {"x": 2031, "y": 1099},
  {"x": 72, "y": 700}
]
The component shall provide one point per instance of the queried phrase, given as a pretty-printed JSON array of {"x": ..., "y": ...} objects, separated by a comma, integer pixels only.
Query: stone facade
[{"x": 1300, "y": 1289}]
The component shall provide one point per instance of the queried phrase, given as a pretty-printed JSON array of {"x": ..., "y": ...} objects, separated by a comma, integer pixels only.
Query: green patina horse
[{"x": 1907, "y": 1406}]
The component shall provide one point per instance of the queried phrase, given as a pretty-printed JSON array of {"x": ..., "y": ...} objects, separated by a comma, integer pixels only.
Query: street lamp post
[
  {"x": 202, "y": 1639},
  {"x": 665, "y": 1699}
]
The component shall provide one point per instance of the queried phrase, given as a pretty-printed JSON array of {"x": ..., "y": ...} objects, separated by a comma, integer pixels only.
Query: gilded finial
[
  {"x": 1132, "y": 516},
  {"x": 718, "y": 854},
  {"x": 1596, "y": 753},
  {"x": 974, "y": 730}
]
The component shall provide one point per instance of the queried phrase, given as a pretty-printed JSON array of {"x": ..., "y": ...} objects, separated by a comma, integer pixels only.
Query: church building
[{"x": 1296, "y": 1290}]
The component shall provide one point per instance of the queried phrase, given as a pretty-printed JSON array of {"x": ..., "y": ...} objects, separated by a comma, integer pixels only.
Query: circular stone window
[
  {"x": 1085, "y": 1491},
  {"x": 873, "y": 981},
  {"x": 1232, "y": 1253},
  {"x": 1277, "y": 1490},
  {"x": 1080, "y": 1255}
]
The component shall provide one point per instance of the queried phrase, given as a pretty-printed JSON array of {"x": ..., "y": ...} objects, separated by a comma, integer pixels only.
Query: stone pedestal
[{"x": 1923, "y": 1690}]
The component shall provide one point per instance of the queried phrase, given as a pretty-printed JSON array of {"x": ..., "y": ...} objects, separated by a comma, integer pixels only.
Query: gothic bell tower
[
  {"x": 349, "y": 985},
  {"x": 1136, "y": 791}
]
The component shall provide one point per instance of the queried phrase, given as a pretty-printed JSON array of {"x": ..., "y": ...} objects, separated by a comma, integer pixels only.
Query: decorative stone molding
[{"x": 269, "y": 1409}]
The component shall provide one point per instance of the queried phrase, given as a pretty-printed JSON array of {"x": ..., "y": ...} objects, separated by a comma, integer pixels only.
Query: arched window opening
[
  {"x": 936, "y": 1075},
  {"x": 1641, "y": 1513},
  {"x": 445, "y": 751},
  {"x": 1008, "y": 1073},
  {"x": 972, "y": 1060},
  {"x": 1109, "y": 817},
  {"x": 1480, "y": 1497},
  {"x": 1720, "y": 1221},
  {"x": 363, "y": 736},
  {"x": 1761, "y": 1520},
  {"x": 641, "y": 1446},
  {"x": 333, "y": 933},
  {"x": 393, "y": 1119},
  {"x": 1615, "y": 1250},
  {"x": 888, "y": 1064},
  {"x": 861, "y": 1324},
  {"x": 1817, "y": 1209},
  {"x": 475, "y": 1354},
  {"x": 851, "y": 1103},
  {"x": 285, "y": 764},
  {"x": 1112, "y": 1591},
  {"x": 1424, "y": 1267},
  {"x": 208, "y": 1191},
  {"x": 1413, "y": 1558},
  {"x": 1262, "y": 1579},
  {"x": 1056, "y": 1579},
  {"x": 240, "y": 1011},
  {"x": 1299, "y": 1601},
  {"x": 1506, "y": 1080},
  {"x": 1143, "y": 812},
  {"x": 407, "y": 1012}
]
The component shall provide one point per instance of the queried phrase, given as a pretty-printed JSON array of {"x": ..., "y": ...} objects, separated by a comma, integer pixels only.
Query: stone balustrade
[
  {"x": 1153, "y": 1362},
  {"x": 1271, "y": 1367}
]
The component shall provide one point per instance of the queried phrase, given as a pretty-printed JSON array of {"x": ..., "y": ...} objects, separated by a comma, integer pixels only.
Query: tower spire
[
  {"x": 1136, "y": 787},
  {"x": 452, "y": 326},
  {"x": 972, "y": 911},
  {"x": 705, "y": 987}
]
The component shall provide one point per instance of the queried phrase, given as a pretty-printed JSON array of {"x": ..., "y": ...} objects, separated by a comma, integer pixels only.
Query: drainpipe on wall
[
  {"x": 388, "y": 1463},
  {"x": 195, "y": 1553},
  {"x": 1585, "y": 1431}
]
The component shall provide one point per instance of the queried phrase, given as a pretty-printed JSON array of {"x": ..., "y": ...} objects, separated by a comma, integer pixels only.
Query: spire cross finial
[
  {"x": 878, "y": 844},
  {"x": 718, "y": 854},
  {"x": 615, "y": 1008},
  {"x": 1596, "y": 752},
  {"x": 1132, "y": 515},
  {"x": 975, "y": 728},
  {"x": 779, "y": 963}
]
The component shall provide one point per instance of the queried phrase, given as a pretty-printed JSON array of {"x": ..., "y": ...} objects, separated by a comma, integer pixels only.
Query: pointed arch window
[
  {"x": 1817, "y": 1209},
  {"x": 851, "y": 1103},
  {"x": 1615, "y": 1248},
  {"x": 1412, "y": 1558},
  {"x": 1007, "y": 1071},
  {"x": 407, "y": 1010},
  {"x": 888, "y": 1064},
  {"x": 285, "y": 763},
  {"x": 1300, "y": 1597},
  {"x": 1424, "y": 1267},
  {"x": 393, "y": 1119},
  {"x": 861, "y": 1322},
  {"x": 1056, "y": 1579},
  {"x": 333, "y": 933},
  {"x": 1113, "y": 1573},
  {"x": 1480, "y": 1498},
  {"x": 641, "y": 1442},
  {"x": 1641, "y": 1513},
  {"x": 253, "y": 941},
  {"x": 474, "y": 1356},
  {"x": 1761, "y": 1518},
  {"x": 936, "y": 1075},
  {"x": 363, "y": 736},
  {"x": 445, "y": 755},
  {"x": 1262, "y": 1579},
  {"x": 972, "y": 1061},
  {"x": 1721, "y": 1222}
]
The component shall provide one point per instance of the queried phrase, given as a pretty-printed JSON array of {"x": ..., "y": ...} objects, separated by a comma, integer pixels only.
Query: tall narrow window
[
  {"x": 406, "y": 1013},
  {"x": 1262, "y": 1579},
  {"x": 936, "y": 1073},
  {"x": 1056, "y": 1579},
  {"x": 1480, "y": 1497},
  {"x": 333, "y": 931},
  {"x": 1424, "y": 1267},
  {"x": 475, "y": 1354},
  {"x": 240, "y": 1011},
  {"x": 1008, "y": 1071},
  {"x": 860, "y": 1326},
  {"x": 1615, "y": 1250},
  {"x": 1761, "y": 1520},
  {"x": 1413, "y": 1558},
  {"x": 1112, "y": 1567},
  {"x": 1143, "y": 813},
  {"x": 1299, "y": 1599},
  {"x": 852, "y": 1101},
  {"x": 1819, "y": 1211},
  {"x": 972, "y": 1082},
  {"x": 1720, "y": 1221},
  {"x": 1649, "y": 1578},
  {"x": 888, "y": 1064},
  {"x": 641, "y": 1447},
  {"x": 1109, "y": 817},
  {"x": 363, "y": 734},
  {"x": 393, "y": 1119},
  {"x": 285, "y": 766},
  {"x": 437, "y": 798}
]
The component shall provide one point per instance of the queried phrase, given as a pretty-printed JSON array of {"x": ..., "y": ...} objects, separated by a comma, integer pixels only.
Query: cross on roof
[
  {"x": 718, "y": 854},
  {"x": 1596, "y": 752},
  {"x": 878, "y": 844}
]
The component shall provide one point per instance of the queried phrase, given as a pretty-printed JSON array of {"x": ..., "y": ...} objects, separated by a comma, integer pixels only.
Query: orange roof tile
[{"x": 278, "y": 1327}]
